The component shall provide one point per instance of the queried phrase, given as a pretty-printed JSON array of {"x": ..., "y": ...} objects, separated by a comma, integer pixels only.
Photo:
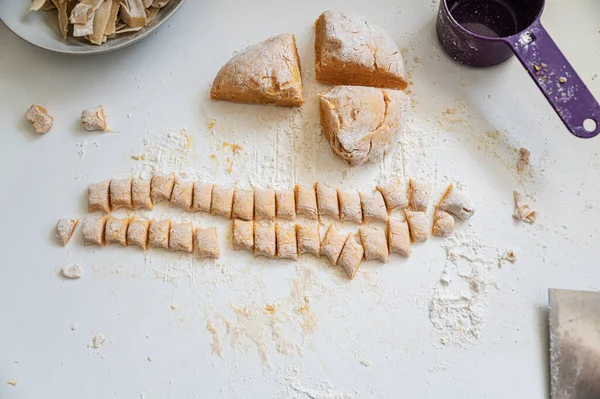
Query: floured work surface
[{"x": 245, "y": 327}]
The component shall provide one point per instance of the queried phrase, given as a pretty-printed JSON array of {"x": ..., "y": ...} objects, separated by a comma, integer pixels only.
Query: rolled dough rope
[
  {"x": 162, "y": 188},
  {"x": 158, "y": 234},
  {"x": 350, "y": 209},
  {"x": 243, "y": 204},
  {"x": 182, "y": 195},
  {"x": 92, "y": 230},
  {"x": 222, "y": 201},
  {"x": 115, "y": 231},
  {"x": 419, "y": 195},
  {"x": 399, "y": 236},
  {"x": 140, "y": 194},
  {"x": 98, "y": 197},
  {"x": 394, "y": 195},
  {"x": 120, "y": 194},
  {"x": 443, "y": 223},
  {"x": 287, "y": 247},
  {"x": 308, "y": 238},
  {"x": 418, "y": 225},
  {"x": 137, "y": 233},
  {"x": 207, "y": 243},
  {"x": 202, "y": 198},
  {"x": 181, "y": 237},
  {"x": 285, "y": 202},
  {"x": 65, "y": 229},
  {"x": 264, "y": 204},
  {"x": 306, "y": 202},
  {"x": 457, "y": 203},
  {"x": 327, "y": 201},
  {"x": 264, "y": 240},
  {"x": 373, "y": 207},
  {"x": 351, "y": 256},
  {"x": 243, "y": 235},
  {"x": 332, "y": 244},
  {"x": 374, "y": 242}
]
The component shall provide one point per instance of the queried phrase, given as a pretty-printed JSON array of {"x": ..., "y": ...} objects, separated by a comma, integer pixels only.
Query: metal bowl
[{"x": 41, "y": 29}]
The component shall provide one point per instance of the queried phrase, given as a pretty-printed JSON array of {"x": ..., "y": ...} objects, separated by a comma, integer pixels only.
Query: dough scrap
[
  {"x": 362, "y": 124},
  {"x": 141, "y": 194},
  {"x": 92, "y": 230},
  {"x": 351, "y": 256},
  {"x": 394, "y": 195},
  {"x": 137, "y": 233},
  {"x": 264, "y": 240},
  {"x": 418, "y": 225},
  {"x": 222, "y": 201},
  {"x": 65, "y": 229},
  {"x": 456, "y": 202},
  {"x": 73, "y": 272},
  {"x": 93, "y": 119},
  {"x": 243, "y": 235},
  {"x": 158, "y": 234},
  {"x": 399, "y": 236},
  {"x": 115, "y": 231},
  {"x": 121, "y": 194},
  {"x": 524, "y": 158},
  {"x": 350, "y": 208},
  {"x": 332, "y": 244},
  {"x": 309, "y": 239},
  {"x": 181, "y": 237},
  {"x": 286, "y": 204},
  {"x": 264, "y": 204},
  {"x": 266, "y": 73},
  {"x": 351, "y": 50},
  {"x": 373, "y": 207},
  {"x": 98, "y": 197},
  {"x": 443, "y": 223},
  {"x": 306, "y": 202},
  {"x": 523, "y": 212},
  {"x": 243, "y": 204},
  {"x": 202, "y": 197},
  {"x": 39, "y": 118},
  {"x": 287, "y": 247},
  {"x": 182, "y": 195},
  {"x": 162, "y": 188},
  {"x": 207, "y": 243},
  {"x": 327, "y": 201},
  {"x": 374, "y": 242},
  {"x": 419, "y": 195}
]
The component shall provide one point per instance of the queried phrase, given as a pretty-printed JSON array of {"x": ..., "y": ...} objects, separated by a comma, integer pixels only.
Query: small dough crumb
[
  {"x": 98, "y": 341},
  {"x": 38, "y": 116},
  {"x": 524, "y": 158},
  {"x": 351, "y": 256},
  {"x": 509, "y": 256},
  {"x": 243, "y": 235},
  {"x": 207, "y": 243},
  {"x": 65, "y": 229},
  {"x": 523, "y": 212},
  {"x": 72, "y": 271},
  {"x": 287, "y": 247},
  {"x": 93, "y": 119}
]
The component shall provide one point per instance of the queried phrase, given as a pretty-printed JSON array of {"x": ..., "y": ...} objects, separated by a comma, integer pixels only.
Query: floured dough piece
[
  {"x": 362, "y": 124},
  {"x": 264, "y": 240},
  {"x": 120, "y": 194},
  {"x": 443, "y": 223},
  {"x": 116, "y": 231},
  {"x": 332, "y": 244},
  {"x": 285, "y": 202},
  {"x": 93, "y": 119},
  {"x": 419, "y": 195},
  {"x": 373, "y": 207},
  {"x": 137, "y": 233},
  {"x": 158, "y": 234},
  {"x": 182, "y": 194},
  {"x": 266, "y": 73},
  {"x": 374, "y": 242},
  {"x": 350, "y": 208},
  {"x": 92, "y": 230},
  {"x": 394, "y": 195},
  {"x": 457, "y": 203},
  {"x": 523, "y": 212},
  {"x": 287, "y": 247},
  {"x": 162, "y": 188},
  {"x": 39, "y": 118},
  {"x": 243, "y": 235},
  {"x": 65, "y": 229},
  {"x": 264, "y": 204},
  {"x": 306, "y": 202},
  {"x": 243, "y": 204},
  {"x": 309, "y": 239},
  {"x": 351, "y": 256},
  {"x": 399, "y": 236},
  {"x": 98, "y": 197},
  {"x": 207, "y": 243},
  {"x": 72, "y": 271},
  {"x": 141, "y": 194},
  {"x": 181, "y": 237},
  {"x": 202, "y": 197},
  {"x": 222, "y": 201},
  {"x": 327, "y": 201},
  {"x": 351, "y": 50},
  {"x": 418, "y": 225}
]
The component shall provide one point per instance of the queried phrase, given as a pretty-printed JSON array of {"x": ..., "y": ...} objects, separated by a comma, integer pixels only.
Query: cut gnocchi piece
[
  {"x": 181, "y": 237},
  {"x": 98, "y": 197},
  {"x": 418, "y": 225},
  {"x": 327, "y": 201},
  {"x": 183, "y": 192},
  {"x": 350, "y": 209},
  {"x": 222, "y": 201},
  {"x": 264, "y": 240},
  {"x": 120, "y": 194},
  {"x": 285, "y": 202},
  {"x": 116, "y": 231},
  {"x": 65, "y": 229},
  {"x": 287, "y": 247},
  {"x": 264, "y": 204},
  {"x": 39, "y": 118},
  {"x": 158, "y": 234},
  {"x": 373, "y": 207},
  {"x": 141, "y": 194},
  {"x": 243, "y": 204},
  {"x": 419, "y": 195},
  {"x": 243, "y": 235},
  {"x": 309, "y": 239},
  {"x": 306, "y": 202},
  {"x": 394, "y": 195},
  {"x": 351, "y": 256},
  {"x": 137, "y": 233},
  {"x": 332, "y": 244},
  {"x": 202, "y": 197},
  {"x": 162, "y": 188},
  {"x": 207, "y": 243},
  {"x": 443, "y": 224},
  {"x": 92, "y": 230},
  {"x": 399, "y": 236},
  {"x": 93, "y": 119},
  {"x": 457, "y": 203},
  {"x": 374, "y": 243}
]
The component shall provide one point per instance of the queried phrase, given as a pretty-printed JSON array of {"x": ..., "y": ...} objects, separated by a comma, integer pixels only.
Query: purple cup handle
[{"x": 557, "y": 79}]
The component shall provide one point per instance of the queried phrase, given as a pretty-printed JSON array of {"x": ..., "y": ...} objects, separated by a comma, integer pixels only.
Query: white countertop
[{"x": 371, "y": 337}]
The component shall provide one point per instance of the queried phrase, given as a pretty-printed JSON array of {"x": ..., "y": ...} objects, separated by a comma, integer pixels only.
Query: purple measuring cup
[{"x": 483, "y": 33}]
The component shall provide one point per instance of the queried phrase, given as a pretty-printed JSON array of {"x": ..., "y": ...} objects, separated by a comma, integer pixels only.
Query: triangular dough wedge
[
  {"x": 362, "y": 123},
  {"x": 352, "y": 51},
  {"x": 266, "y": 73}
]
